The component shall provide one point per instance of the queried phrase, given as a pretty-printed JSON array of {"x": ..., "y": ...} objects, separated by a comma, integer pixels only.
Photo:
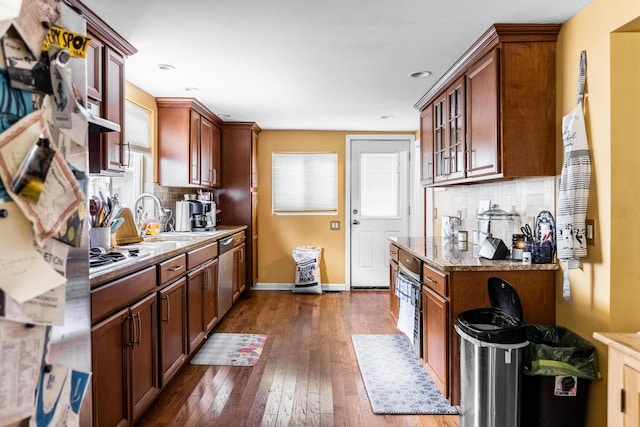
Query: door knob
[{"x": 355, "y": 222}]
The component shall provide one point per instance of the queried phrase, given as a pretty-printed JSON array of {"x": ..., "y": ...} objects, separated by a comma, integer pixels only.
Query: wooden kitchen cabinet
[
  {"x": 435, "y": 329},
  {"x": 449, "y": 133},
  {"x": 106, "y": 58},
  {"x": 482, "y": 110},
  {"x": 426, "y": 146},
  {"x": 239, "y": 271},
  {"x": 447, "y": 294},
  {"x": 188, "y": 144},
  {"x": 394, "y": 301},
  {"x": 505, "y": 126},
  {"x": 124, "y": 360},
  {"x": 238, "y": 196},
  {"x": 172, "y": 329},
  {"x": 623, "y": 383},
  {"x": 202, "y": 303}
]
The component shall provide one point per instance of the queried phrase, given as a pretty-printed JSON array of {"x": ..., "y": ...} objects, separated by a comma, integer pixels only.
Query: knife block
[{"x": 128, "y": 232}]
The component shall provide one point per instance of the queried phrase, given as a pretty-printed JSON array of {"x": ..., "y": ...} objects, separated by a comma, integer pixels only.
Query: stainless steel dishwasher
[{"x": 225, "y": 275}]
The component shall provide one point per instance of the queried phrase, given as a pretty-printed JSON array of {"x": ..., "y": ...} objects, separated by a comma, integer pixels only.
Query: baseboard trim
[{"x": 326, "y": 287}]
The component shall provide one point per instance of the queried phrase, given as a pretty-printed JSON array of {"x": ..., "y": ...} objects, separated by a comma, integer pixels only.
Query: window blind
[{"x": 305, "y": 183}]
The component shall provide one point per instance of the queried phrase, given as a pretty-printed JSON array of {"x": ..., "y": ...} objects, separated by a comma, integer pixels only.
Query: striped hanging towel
[{"x": 573, "y": 195}]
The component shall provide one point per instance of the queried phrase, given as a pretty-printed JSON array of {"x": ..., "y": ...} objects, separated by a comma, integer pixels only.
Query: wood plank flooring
[{"x": 307, "y": 375}]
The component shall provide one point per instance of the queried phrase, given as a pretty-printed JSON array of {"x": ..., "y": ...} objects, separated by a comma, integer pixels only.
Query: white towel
[{"x": 573, "y": 195}]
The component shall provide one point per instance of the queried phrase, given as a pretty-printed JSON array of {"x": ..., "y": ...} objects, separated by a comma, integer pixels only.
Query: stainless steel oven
[{"x": 409, "y": 290}]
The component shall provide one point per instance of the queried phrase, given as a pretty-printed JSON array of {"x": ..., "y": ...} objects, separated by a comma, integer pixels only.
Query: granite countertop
[
  {"x": 155, "y": 249},
  {"x": 452, "y": 256}
]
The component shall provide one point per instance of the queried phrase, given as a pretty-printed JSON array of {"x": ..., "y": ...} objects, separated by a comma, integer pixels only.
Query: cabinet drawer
[
  {"x": 172, "y": 268},
  {"x": 435, "y": 280},
  {"x": 120, "y": 293},
  {"x": 393, "y": 252},
  {"x": 238, "y": 239},
  {"x": 202, "y": 255}
]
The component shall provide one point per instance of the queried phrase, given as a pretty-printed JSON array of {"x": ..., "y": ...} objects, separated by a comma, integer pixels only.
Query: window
[{"x": 305, "y": 183}]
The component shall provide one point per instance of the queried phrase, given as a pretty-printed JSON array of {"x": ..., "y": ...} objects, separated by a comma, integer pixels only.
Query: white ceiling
[{"x": 300, "y": 64}]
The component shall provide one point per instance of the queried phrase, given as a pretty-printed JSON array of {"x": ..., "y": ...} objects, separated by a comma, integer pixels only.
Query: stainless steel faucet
[{"x": 137, "y": 207}]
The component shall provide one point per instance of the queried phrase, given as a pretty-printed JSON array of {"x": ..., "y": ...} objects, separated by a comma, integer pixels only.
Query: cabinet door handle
[
  {"x": 175, "y": 268},
  {"x": 166, "y": 298},
  {"x": 429, "y": 279},
  {"x": 135, "y": 320},
  {"x": 128, "y": 155},
  {"x": 241, "y": 255},
  {"x": 139, "y": 329},
  {"x": 131, "y": 339}
]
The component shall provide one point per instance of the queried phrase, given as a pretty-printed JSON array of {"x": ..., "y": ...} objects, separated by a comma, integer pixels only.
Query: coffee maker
[
  {"x": 195, "y": 215},
  {"x": 209, "y": 211}
]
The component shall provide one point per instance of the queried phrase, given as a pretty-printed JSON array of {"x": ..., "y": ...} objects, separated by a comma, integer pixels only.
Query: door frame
[{"x": 347, "y": 202}]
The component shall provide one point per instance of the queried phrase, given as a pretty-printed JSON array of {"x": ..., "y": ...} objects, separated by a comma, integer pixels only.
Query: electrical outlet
[
  {"x": 335, "y": 225},
  {"x": 590, "y": 232}
]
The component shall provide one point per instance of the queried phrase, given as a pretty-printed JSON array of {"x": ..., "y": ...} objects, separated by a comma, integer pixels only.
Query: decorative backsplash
[{"x": 527, "y": 197}]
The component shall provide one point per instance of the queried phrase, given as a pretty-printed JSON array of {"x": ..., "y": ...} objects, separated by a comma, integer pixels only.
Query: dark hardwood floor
[{"x": 307, "y": 375}]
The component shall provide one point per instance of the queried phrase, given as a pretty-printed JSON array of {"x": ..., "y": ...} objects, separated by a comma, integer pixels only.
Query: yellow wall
[
  {"x": 606, "y": 290},
  {"x": 278, "y": 234}
]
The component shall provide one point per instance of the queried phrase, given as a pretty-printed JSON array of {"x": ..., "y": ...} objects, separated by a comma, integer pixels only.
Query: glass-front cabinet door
[
  {"x": 449, "y": 133},
  {"x": 456, "y": 131},
  {"x": 439, "y": 139}
]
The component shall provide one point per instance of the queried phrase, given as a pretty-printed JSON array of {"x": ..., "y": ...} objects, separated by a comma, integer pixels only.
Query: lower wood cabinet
[
  {"x": 239, "y": 271},
  {"x": 446, "y": 294},
  {"x": 124, "y": 358},
  {"x": 435, "y": 327},
  {"x": 173, "y": 328},
  {"x": 202, "y": 303},
  {"x": 394, "y": 301}
]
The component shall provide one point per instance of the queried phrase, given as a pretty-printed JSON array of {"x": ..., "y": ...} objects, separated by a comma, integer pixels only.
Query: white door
[{"x": 379, "y": 206}]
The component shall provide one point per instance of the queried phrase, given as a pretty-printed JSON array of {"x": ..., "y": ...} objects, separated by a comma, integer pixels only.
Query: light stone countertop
[
  {"x": 451, "y": 256},
  {"x": 156, "y": 249}
]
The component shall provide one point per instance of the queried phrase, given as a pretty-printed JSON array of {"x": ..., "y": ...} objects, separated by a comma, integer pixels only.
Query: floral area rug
[
  {"x": 394, "y": 377},
  {"x": 230, "y": 350}
]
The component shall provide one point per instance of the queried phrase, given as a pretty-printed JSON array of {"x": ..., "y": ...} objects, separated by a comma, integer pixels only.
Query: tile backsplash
[{"x": 527, "y": 197}]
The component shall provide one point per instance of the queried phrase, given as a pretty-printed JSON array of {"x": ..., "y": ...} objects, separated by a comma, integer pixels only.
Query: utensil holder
[
  {"x": 541, "y": 252},
  {"x": 100, "y": 237}
]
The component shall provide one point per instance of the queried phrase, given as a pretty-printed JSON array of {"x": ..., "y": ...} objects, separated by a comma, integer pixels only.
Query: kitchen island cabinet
[
  {"x": 503, "y": 126},
  {"x": 188, "y": 144},
  {"x": 454, "y": 284}
]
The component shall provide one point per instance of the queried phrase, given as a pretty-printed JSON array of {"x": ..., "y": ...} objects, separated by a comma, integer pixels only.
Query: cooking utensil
[
  {"x": 528, "y": 232},
  {"x": 115, "y": 224}
]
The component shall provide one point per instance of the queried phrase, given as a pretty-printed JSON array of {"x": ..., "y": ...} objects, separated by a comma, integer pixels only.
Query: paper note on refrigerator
[
  {"x": 21, "y": 354},
  {"x": 25, "y": 274}
]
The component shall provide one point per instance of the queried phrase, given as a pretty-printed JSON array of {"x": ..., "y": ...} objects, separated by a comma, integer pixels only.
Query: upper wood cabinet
[
  {"x": 188, "y": 144},
  {"x": 492, "y": 115},
  {"x": 106, "y": 57}
]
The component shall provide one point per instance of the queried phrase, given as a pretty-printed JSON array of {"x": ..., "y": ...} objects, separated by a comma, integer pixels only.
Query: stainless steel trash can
[{"x": 492, "y": 346}]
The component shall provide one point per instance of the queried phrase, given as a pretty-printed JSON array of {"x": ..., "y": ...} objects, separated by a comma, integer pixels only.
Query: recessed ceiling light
[
  {"x": 166, "y": 67},
  {"x": 386, "y": 117},
  {"x": 191, "y": 89},
  {"x": 420, "y": 74}
]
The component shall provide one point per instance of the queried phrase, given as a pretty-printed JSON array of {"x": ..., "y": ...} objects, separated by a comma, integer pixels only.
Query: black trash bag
[{"x": 555, "y": 350}]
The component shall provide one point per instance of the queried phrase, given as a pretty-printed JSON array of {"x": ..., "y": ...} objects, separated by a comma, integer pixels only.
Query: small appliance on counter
[{"x": 195, "y": 215}]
